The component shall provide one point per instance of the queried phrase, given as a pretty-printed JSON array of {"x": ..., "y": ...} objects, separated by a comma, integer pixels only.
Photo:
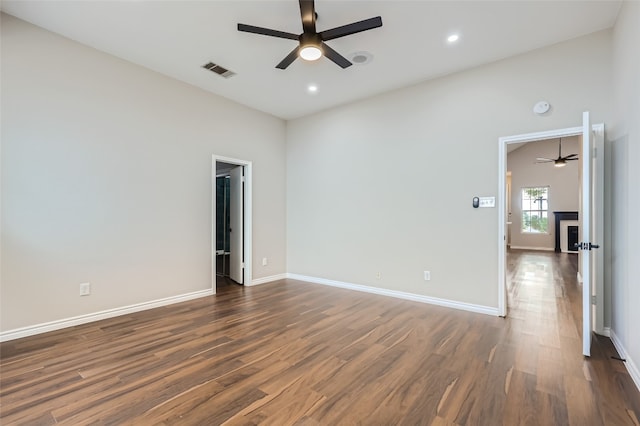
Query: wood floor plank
[
  {"x": 419, "y": 391},
  {"x": 282, "y": 407},
  {"x": 551, "y": 407},
  {"x": 520, "y": 408},
  {"x": 581, "y": 406},
  {"x": 293, "y": 353},
  {"x": 547, "y": 378}
]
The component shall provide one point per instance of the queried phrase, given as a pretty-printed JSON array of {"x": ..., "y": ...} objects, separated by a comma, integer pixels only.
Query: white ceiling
[{"x": 176, "y": 37}]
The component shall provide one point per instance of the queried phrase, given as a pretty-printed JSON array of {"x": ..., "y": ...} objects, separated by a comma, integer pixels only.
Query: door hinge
[
  {"x": 242, "y": 178},
  {"x": 593, "y": 300},
  {"x": 242, "y": 265}
]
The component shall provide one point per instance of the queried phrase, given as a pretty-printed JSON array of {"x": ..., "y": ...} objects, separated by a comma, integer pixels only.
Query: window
[{"x": 535, "y": 209}]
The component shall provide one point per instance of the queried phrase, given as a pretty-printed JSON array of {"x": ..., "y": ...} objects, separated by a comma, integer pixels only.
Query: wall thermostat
[
  {"x": 541, "y": 107},
  {"x": 484, "y": 202}
]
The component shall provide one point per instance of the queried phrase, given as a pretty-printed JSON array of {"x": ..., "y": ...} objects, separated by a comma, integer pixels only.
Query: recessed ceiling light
[
  {"x": 312, "y": 88},
  {"x": 453, "y": 38}
]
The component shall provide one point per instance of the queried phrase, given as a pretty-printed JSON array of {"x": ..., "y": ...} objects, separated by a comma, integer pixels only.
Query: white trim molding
[
  {"x": 632, "y": 368},
  {"x": 97, "y": 316},
  {"x": 606, "y": 332},
  {"x": 399, "y": 295},
  {"x": 264, "y": 280}
]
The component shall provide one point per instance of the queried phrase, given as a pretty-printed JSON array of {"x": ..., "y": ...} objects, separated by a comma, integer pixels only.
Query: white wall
[
  {"x": 106, "y": 178},
  {"x": 385, "y": 185},
  {"x": 624, "y": 254},
  {"x": 563, "y": 183}
]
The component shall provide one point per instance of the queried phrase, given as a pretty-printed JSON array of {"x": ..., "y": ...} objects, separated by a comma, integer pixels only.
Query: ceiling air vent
[{"x": 218, "y": 70}]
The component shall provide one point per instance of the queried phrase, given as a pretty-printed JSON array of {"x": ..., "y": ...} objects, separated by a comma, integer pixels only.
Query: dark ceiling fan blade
[
  {"x": 336, "y": 57},
  {"x": 266, "y": 31},
  {"x": 308, "y": 15},
  {"x": 353, "y": 28},
  {"x": 288, "y": 59},
  {"x": 571, "y": 159},
  {"x": 571, "y": 156}
]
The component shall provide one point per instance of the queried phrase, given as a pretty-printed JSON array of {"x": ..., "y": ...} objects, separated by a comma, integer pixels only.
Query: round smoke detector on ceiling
[
  {"x": 541, "y": 107},
  {"x": 360, "y": 58}
]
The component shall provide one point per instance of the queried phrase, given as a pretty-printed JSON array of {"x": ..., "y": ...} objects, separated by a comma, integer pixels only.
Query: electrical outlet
[
  {"x": 427, "y": 275},
  {"x": 85, "y": 289},
  {"x": 264, "y": 261}
]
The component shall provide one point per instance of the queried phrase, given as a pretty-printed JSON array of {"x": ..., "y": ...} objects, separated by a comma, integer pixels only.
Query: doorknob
[{"x": 586, "y": 246}]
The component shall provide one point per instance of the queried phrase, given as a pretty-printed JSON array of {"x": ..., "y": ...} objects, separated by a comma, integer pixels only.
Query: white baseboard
[
  {"x": 579, "y": 277},
  {"x": 632, "y": 368},
  {"x": 399, "y": 294},
  {"x": 606, "y": 332},
  {"x": 265, "y": 280},
  {"x": 532, "y": 248},
  {"x": 97, "y": 316}
]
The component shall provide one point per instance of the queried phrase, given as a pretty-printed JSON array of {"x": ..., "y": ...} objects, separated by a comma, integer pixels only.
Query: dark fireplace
[
  {"x": 572, "y": 238},
  {"x": 563, "y": 216}
]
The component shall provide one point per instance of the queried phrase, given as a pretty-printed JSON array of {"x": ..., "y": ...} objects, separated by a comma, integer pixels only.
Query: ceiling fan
[
  {"x": 560, "y": 161},
  {"x": 312, "y": 43}
]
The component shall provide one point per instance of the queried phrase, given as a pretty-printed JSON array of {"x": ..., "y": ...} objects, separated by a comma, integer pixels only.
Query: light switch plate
[{"x": 487, "y": 202}]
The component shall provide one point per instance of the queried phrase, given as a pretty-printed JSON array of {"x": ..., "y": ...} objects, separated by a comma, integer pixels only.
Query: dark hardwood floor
[{"x": 295, "y": 353}]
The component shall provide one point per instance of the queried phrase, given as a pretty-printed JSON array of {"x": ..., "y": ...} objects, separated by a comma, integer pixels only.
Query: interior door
[
  {"x": 585, "y": 245},
  {"x": 236, "y": 225}
]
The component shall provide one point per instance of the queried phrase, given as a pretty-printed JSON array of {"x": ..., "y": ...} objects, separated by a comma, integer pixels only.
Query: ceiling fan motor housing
[{"x": 310, "y": 40}]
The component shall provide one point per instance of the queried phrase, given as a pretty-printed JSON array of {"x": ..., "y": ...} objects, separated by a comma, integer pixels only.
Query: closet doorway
[{"x": 231, "y": 217}]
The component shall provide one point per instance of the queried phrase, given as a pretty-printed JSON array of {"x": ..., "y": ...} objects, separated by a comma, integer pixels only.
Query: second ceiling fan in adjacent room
[{"x": 560, "y": 161}]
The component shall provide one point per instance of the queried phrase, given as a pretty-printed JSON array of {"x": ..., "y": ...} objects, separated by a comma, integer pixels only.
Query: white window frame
[{"x": 523, "y": 210}]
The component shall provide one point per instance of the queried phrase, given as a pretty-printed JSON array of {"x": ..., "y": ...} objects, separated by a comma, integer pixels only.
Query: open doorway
[
  {"x": 543, "y": 196},
  {"x": 591, "y": 219},
  {"x": 542, "y": 265},
  {"x": 231, "y": 222}
]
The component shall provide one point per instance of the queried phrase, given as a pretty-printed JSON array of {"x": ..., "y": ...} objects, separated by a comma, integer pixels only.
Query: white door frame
[
  {"x": 502, "y": 222},
  {"x": 248, "y": 209},
  {"x": 236, "y": 225}
]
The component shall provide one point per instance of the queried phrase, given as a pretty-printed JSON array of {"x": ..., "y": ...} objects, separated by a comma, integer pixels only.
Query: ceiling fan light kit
[
  {"x": 310, "y": 53},
  {"x": 310, "y": 47},
  {"x": 311, "y": 44}
]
